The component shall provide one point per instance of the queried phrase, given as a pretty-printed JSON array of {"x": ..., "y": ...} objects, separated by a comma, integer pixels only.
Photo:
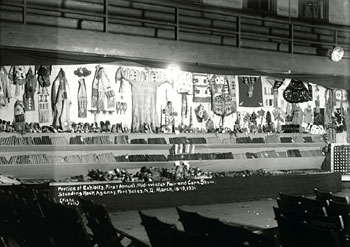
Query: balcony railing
[{"x": 195, "y": 23}]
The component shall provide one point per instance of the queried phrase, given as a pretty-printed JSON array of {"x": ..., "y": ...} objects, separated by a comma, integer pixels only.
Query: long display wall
[
  {"x": 123, "y": 99},
  {"x": 126, "y": 126}
]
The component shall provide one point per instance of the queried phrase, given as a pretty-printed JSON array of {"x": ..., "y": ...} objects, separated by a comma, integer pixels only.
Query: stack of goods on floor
[
  {"x": 68, "y": 159},
  {"x": 320, "y": 221}
]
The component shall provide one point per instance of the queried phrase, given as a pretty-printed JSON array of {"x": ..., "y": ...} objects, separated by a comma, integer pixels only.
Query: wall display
[
  {"x": 19, "y": 117},
  {"x": 223, "y": 95},
  {"x": 308, "y": 115},
  {"x": 5, "y": 90},
  {"x": 102, "y": 91},
  {"x": 144, "y": 84},
  {"x": 201, "y": 88},
  {"x": 43, "y": 72},
  {"x": 44, "y": 108},
  {"x": 82, "y": 99},
  {"x": 298, "y": 92},
  {"x": 18, "y": 77},
  {"x": 297, "y": 114},
  {"x": 29, "y": 90},
  {"x": 61, "y": 102},
  {"x": 250, "y": 91},
  {"x": 138, "y": 101}
]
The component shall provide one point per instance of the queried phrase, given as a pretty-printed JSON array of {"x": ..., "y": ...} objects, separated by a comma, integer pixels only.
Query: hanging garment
[
  {"x": 43, "y": 72},
  {"x": 297, "y": 92},
  {"x": 223, "y": 94},
  {"x": 144, "y": 84},
  {"x": 184, "y": 87},
  {"x": 61, "y": 104},
  {"x": 82, "y": 99},
  {"x": 298, "y": 114},
  {"x": 330, "y": 105},
  {"x": 110, "y": 95},
  {"x": 201, "y": 113},
  {"x": 19, "y": 116},
  {"x": 308, "y": 115},
  {"x": 250, "y": 91},
  {"x": 317, "y": 100},
  {"x": 18, "y": 77},
  {"x": 29, "y": 90},
  {"x": 82, "y": 72},
  {"x": 44, "y": 110},
  {"x": 98, "y": 92},
  {"x": 5, "y": 88},
  {"x": 201, "y": 88}
]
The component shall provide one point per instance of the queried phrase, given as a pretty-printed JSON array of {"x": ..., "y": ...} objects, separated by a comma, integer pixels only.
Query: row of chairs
[
  {"x": 204, "y": 231},
  {"x": 321, "y": 221},
  {"x": 29, "y": 218}
]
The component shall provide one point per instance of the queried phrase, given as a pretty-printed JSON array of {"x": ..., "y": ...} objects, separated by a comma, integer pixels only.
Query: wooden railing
[{"x": 196, "y": 23}]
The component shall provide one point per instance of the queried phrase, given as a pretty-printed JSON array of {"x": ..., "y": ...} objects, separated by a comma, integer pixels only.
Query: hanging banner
[{"x": 250, "y": 91}]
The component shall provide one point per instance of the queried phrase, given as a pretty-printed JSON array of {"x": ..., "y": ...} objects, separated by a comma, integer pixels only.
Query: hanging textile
[
  {"x": 201, "y": 114},
  {"x": 19, "y": 116},
  {"x": 184, "y": 87},
  {"x": 109, "y": 92},
  {"x": 97, "y": 97},
  {"x": 18, "y": 78},
  {"x": 43, "y": 103},
  {"x": 144, "y": 84},
  {"x": 298, "y": 114},
  {"x": 297, "y": 92},
  {"x": 223, "y": 94},
  {"x": 82, "y": 99},
  {"x": 276, "y": 84},
  {"x": 250, "y": 91},
  {"x": 330, "y": 105},
  {"x": 43, "y": 72},
  {"x": 201, "y": 88},
  {"x": 61, "y": 102},
  {"x": 82, "y": 72},
  {"x": 101, "y": 89},
  {"x": 308, "y": 115},
  {"x": 29, "y": 90},
  {"x": 5, "y": 88}
]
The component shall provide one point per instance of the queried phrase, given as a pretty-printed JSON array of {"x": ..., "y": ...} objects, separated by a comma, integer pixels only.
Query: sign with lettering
[
  {"x": 68, "y": 194},
  {"x": 146, "y": 195}
]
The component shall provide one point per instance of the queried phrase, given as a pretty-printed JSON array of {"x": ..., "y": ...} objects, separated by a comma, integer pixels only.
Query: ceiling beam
[{"x": 66, "y": 40}]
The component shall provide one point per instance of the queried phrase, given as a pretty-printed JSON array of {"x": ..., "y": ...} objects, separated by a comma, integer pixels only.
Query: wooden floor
[{"x": 256, "y": 213}]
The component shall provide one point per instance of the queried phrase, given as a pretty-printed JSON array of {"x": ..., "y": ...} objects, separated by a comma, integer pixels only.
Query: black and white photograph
[{"x": 174, "y": 123}]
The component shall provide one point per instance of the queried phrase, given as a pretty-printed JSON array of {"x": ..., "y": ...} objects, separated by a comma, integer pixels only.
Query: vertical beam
[
  {"x": 177, "y": 23},
  {"x": 24, "y": 12},
  {"x": 291, "y": 38},
  {"x": 105, "y": 23},
  {"x": 238, "y": 30},
  {"x": 335, "y": 39}
]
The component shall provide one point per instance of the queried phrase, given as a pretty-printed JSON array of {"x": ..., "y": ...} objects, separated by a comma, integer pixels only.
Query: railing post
[
  {"x": 24, "y": 12},
  {"x": 291, "y": 38},
  {"x": 105, "y": 24},
  {"x": 238, "y": 30},
  {"x": 177, "y": 22}
]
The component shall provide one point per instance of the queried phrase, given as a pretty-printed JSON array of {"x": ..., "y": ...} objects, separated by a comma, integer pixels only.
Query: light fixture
[
  {"x": 337, "y": 53},
  {"x": 173, "y": 72}
]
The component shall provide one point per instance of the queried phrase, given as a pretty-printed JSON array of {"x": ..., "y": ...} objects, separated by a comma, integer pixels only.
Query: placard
[
  {"x": 69, "y": 194},
  {"x": 340, "y": 158}
]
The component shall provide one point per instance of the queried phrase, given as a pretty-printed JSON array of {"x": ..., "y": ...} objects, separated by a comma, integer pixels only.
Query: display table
[{"x": 145, "y": 195}]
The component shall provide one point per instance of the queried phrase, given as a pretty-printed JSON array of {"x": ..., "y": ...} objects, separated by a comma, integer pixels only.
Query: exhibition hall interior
[{"x": 156, "y": 123}]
